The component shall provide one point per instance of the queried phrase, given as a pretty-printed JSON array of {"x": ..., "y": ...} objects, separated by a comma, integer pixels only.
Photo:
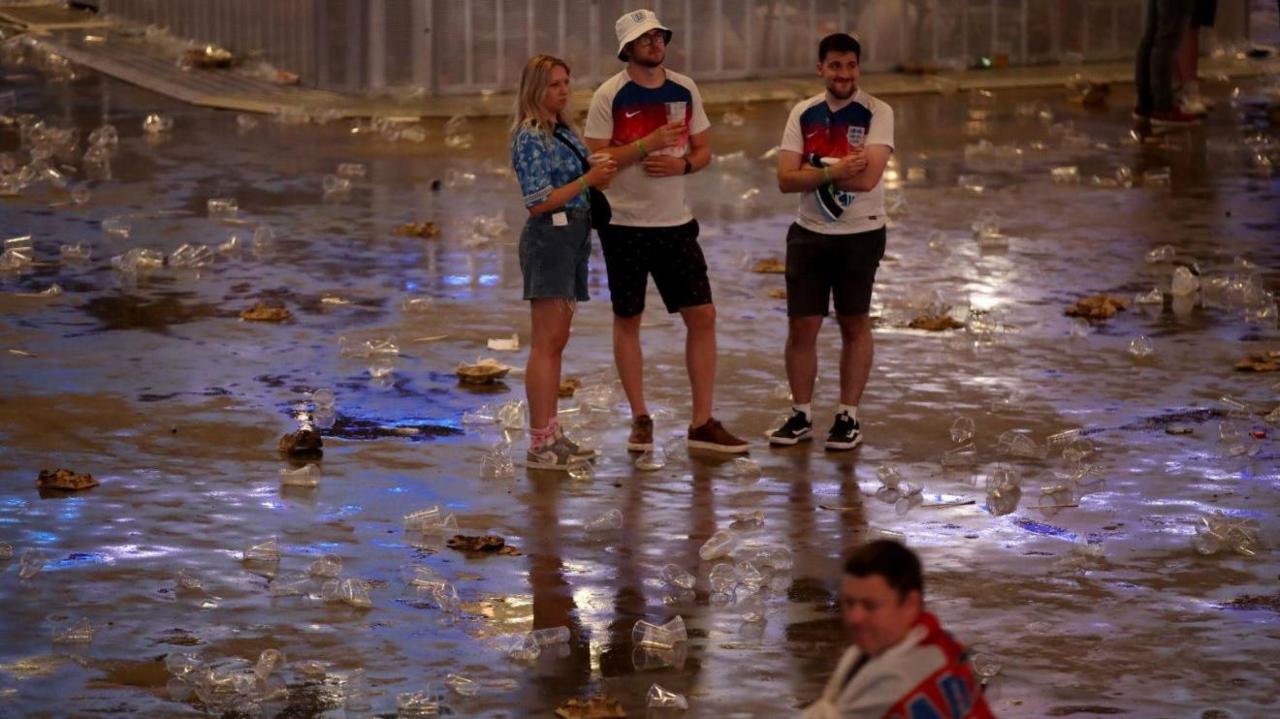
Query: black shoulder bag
[{"x": 601, "y": 213}]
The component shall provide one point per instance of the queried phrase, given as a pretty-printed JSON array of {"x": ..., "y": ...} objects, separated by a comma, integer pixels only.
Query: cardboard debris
[
  {"x": 489, "y": 544},
  {"x": 770, "y": 266},
  {"x": 569, "y": 386},
  {"x": 303, "y": 443},
  {"x": 935, "y": 323},
  {"x": 425, "y": 230},
  {"x": 1260, "y": 362},
  {"x": 597, "y": 707},
  {"x": 267, "y": 312},
  {"x": 486, "y": 371},
  {"x": 1097, "y": 307},
  {"x": 65, "y": 480}
]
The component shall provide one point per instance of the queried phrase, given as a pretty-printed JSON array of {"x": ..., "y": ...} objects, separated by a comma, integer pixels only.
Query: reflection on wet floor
[{"x": 150, "y": 380}]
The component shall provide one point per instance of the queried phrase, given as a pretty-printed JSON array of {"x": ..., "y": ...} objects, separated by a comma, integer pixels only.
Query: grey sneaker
[
  {"x": 557, "y": 455},
  {"x": 575, "y": 449}
]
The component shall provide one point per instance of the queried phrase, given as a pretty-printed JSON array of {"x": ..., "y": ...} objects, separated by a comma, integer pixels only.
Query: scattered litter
[
  {"x": 662, "y": 698},
  {"x": 597, "y": 707},
  {"x": 80, "y": 632},
  {"x": 487, "y": 544},
  {"x": 305, "y": 476},
  {"x": 425, "y": 230},
  {"x": 1220, "y": 531},
  {"x": 267, "y": 311},
  {"x": 304, "y": 443},
  {"x": 935, "y": 323},
  {"x": 65, "y": 480},
  {"x": 677, "y": 576},
  {"x": 568, "y": 386},
  {"x": 1260, "y": 362},
  {"x": 1141, "y": 347},
  {"x": 1097, "y": 307},
  {"x": 770, "y": 266},
  {"x": 484, "y": 371},
  {"x": 31, "y": 563},
  {"x": 607, "y": 522},
  {"x": 718, "y": 545},
  {"x": 665, "y": 636},
  {"x": 505, "y": 344}
]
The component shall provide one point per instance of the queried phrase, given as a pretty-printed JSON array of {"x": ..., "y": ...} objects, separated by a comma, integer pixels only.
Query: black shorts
[
  {"x": 671, "y": 254},
  {"x": 819, "y": 266}
]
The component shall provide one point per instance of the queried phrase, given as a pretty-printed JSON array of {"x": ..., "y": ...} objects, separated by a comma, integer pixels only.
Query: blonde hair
[{"x": 533, "y": 85}]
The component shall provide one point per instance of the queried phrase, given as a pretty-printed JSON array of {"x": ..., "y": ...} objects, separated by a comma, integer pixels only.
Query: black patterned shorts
[{"x": 671, "y": 254}]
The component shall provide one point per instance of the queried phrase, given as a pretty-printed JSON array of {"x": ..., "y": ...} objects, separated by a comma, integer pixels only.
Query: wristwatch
[{"x": 688, "y": 166}]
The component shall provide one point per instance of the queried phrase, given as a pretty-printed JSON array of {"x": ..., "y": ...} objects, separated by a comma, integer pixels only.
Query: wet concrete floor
[{"x": 154, "y": 385}]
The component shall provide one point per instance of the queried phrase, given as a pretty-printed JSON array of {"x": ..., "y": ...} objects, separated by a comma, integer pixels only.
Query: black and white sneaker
[
  {"x": 844, "y": 434},
  {"x": 797, "y": 427}
]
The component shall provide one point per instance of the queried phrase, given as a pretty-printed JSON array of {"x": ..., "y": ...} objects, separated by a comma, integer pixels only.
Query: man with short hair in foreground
[{"x": 902, "y": 663}]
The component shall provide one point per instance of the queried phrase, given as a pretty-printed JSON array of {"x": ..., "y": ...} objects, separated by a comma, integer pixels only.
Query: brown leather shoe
[
  {"x": 714, "y": 437},
  {"x": 641, "y": 439}
]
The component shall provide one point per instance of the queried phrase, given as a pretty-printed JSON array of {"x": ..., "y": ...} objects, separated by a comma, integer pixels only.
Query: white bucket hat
[{"x": 634, "y": 24}]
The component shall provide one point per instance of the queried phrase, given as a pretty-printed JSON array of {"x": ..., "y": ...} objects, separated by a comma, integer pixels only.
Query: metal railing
[{"x": 472, "y": 46}]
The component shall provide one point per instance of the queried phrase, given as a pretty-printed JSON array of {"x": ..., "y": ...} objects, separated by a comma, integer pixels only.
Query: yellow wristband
[
  {"x": 585, "y": 187},
  {"x": 826, "y": 173},
  {"x": 640, "y": 145}
]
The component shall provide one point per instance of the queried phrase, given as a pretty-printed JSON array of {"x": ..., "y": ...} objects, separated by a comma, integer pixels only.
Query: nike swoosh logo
[
  {"x": 630, "y": 115},
  {"x": 815, "y": 132}
]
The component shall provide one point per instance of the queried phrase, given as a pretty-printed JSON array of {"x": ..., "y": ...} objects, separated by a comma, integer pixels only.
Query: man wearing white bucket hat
[{"x": 651, "y": 121}]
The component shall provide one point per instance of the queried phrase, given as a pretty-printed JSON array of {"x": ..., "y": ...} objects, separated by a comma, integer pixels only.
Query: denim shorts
[{"x": 554, "y": 259}]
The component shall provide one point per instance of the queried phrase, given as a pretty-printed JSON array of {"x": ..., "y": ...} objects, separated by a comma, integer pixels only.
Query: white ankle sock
[
  {"x": 849, "y": 409},
  {"x": 807, "y": 408}
]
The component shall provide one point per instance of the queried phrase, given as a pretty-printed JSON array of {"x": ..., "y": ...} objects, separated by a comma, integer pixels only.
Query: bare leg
[
  {"x": 801, "y": 356},
  {"x": 551, "y": 318},
  {"x": 630, "y": 360},
  {"x": 700, "y": 358},
  {"x": 855, "y": 356}
]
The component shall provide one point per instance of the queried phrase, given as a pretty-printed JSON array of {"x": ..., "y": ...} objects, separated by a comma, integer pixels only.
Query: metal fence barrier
[{"x": 473, "y": 46}]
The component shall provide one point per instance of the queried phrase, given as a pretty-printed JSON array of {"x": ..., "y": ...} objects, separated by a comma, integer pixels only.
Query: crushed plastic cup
[
  {"x": 417, "y": 705},
  {"x": 550, "y": 635},
  {"x": 723, "y": 578},
  {"x": 352, "y": 170},
  {"x": 328, "y": 567},
  {"x": 752, "y": 608},
  {"x": 512, "y": 415},
  {"x": 117, "y": 227},
  {"x": 497, "y": 462},
  {"x": 1163, "y": 253},
  {"x": 269, "y": 661},
  {"x": 1184, "y": 282},
  {"x": 879, "y": 533},
  {"x": 665, "y": 636},
  {"x": 81, "y": 632},
  {"x": 581, "y": 471},
  {"x": 80, "y": 195},
  {"x": 31, "y": 563},
  {"x": 606, "y": 522},
  {"x": 524, "y": 649},
  {"x": 677, "y": 576},
  {"x": 264, "y": 241},
  {"x": 962, "y": 429},
  {"x": 1019, "y": 444},
  {"x": 718, "y": 545},
  {"x": 660, "y": 697},
  {"x": 188, "y": 580},
  {"x": 305, "y": 476},
  {"x": 749, "y": 576},
  {"x": 744, "y": 467},
  {"x": 382, "y": 368},
  {"x": 334, "y": 185},
  {"x": 963, "y": 456},
  {"x": 889, "y": 476},
  {"x": 1141, "y": 347},
  {"x": 155, "y": 124},
  {"x": 77, "y": 252},
  {"x": 324, "y": 398},
  {"x": 908, "y": 502},
  {"x": 220, "y": 207},
  {"x": 985, "y": 666},
  {"x": 1065, "y": 175},
  {"x": 1154, "y": 297},
  {"x": 266, "y": 551},
  {"x": 651, "y": 460},
  {"x": 418, "y": 304},
  {"x": 191, "y": 256},
  {"x": 462, "y": 685},
  {"x": 748, "y": 520},
  {"x": 354, "y": 592},
  {"x": 138, "y": 259}
]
